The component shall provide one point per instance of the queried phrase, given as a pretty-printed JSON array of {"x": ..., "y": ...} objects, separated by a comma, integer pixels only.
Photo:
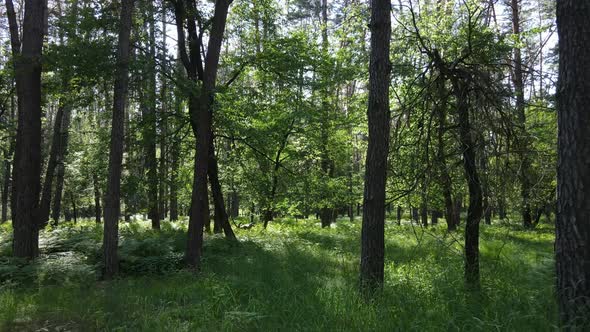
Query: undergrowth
[{"x": 293, "y": 276}]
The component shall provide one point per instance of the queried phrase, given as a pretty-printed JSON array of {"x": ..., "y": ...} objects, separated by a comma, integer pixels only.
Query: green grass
[{"x": 294, "y": 276}]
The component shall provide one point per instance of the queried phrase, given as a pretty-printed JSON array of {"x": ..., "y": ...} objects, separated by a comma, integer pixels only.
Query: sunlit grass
[{"x": 293, "y": 276}]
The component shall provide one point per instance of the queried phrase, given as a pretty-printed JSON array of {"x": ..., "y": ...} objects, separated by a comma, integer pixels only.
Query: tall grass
[{"x": 293, "y": 276}]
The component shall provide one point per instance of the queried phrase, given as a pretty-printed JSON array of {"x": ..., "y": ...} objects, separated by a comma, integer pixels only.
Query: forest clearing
[{"x": 293, "y": 276}]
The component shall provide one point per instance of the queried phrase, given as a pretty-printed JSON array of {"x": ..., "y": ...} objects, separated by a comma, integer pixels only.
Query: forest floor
[{"x": 293, "y": 276}]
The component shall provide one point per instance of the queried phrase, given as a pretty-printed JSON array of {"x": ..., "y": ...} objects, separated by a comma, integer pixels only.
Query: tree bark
[
  {"x": 373, "y": 227},
  {"x": 112, "y": 205},
  {"x": 97, "y": 207},
  {"x": 6, "y": 184},
  {"x": 444, "y": 177},
  {"x": 221, "y": 222},
  {"x": 163, "y": 172},
  {"x": 327, "y": 164},
  {"x": 201, "y": 118},
  {"x": 572, "y": 245},
  {"x": 474, "y": 210},
  {"x": 150, "y": 123},
  {"x": 522, "y": 136},
  {"x": 174, "y": 165},
  {"x": 27, "y": 157}
]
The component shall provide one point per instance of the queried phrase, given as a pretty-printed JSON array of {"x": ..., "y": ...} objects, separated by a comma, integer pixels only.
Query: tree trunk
[
  {"x": 444, "y": 177},
  {"x": 221, "y": 219},
  {"x": 6, "y": 187},
  {"x": 61, "y": 156},
  {"x": 112, "y": 205},
  {"x": 201, "y": 116},
  {"x": 59, "y": 140},
  {"x": 56, "y": 154},
  {"x": 97, "y": 207},
  {"x": 6, "y": 184},
  {"x": 163, "y": 173},
  {"x": 522, "y": 137},
  {"x": 74, "y": 208},
  {"x": 372, "y": 237},
  {"x": 327, "y": 165},
  {"x": 150, "y": 125},
  {"x": 474, "y": 210},
  {"x": 399, "y": 215},
  {"x": 27, "y": 157},
  {"x": 174, "y": 165},
  {"x": 572, "y": 245},
  {"x": 59, "y": 186}
]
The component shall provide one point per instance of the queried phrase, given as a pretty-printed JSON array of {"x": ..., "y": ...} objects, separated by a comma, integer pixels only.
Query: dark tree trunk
[
  {"x": 572, "y": 244},
  {"x": 27, "y": 157},
  {"x": 372, "y": 235},
  {"x": 59, "y": 186},
  {"x": 444, "y": 177},
  {"x": 474, "y": 210},
  {"x": 6, "y": 187},
  {"x": 327, "y": 164},
  {"x": 45, "y": 204},
  {"x": 221, "y": 219},
  {"x": 6, "y": 184},
  {"x": 174, "y": 165},
  {"x": 163, "y": 163},
  {"x": 56, "y": 154},
  {"x": 435, "y": 215},
  {"x": 74, "y": 208},
  {"x": 59, "y": 142},
  {"x": 112, "y": 202},
  {"x": 399, "y": 215},
  {"x": 149, "y": 123},
  {"x": 97, "y": 207},
  {"x": 522, "y": 139},
  {"x": 424, "y": 213},
  {"x": 201, "y": 116},
  {"x": 235, "y": 204}
]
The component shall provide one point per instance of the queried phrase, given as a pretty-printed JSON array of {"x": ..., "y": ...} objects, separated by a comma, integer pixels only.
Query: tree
[
  {"x": 112, "y": 202},
  {"x": 200, "y": 110},
  {"x": 522, "y": 140},
  {"x": 572, "y": 245},
  {"x": 59, "y": 145},
  {"x": 372, "y": 237},
  {"x": 27, "y": 158}
]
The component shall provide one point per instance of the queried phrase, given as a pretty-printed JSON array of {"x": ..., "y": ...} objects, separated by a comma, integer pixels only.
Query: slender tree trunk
[
  {"x": 163, "y": 174},
  {"x": 221, "y": 218},
  {"x": 174, "y": 165},
  {"x": 61, "y": 168},
  {"x": 444, "y": 177},
  {"x": 112, "y": 207},
  {"x": 201, "y": 121},
  {"x": 6, "y": 187},
  {"x": 45, "y": 204},
  {"x": 487, "y": 210},
  {"x": 572, "y": 244},
  {"x": 97, "y": 207},
  {"x": 268, "y": 214},
  {"x": 474, "y": 210},
  {"x": 6, "y": 184},
  {"x": 372, "y": 237},
  {"x": 327, "y": 164},
  {"x": 59, "y": 141},
  {"x": 74, "y": 208},
  {"x": 27, "y": 158},
  {"x": 150, "y": 125},
  {"x": 523, "y": 144}
]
